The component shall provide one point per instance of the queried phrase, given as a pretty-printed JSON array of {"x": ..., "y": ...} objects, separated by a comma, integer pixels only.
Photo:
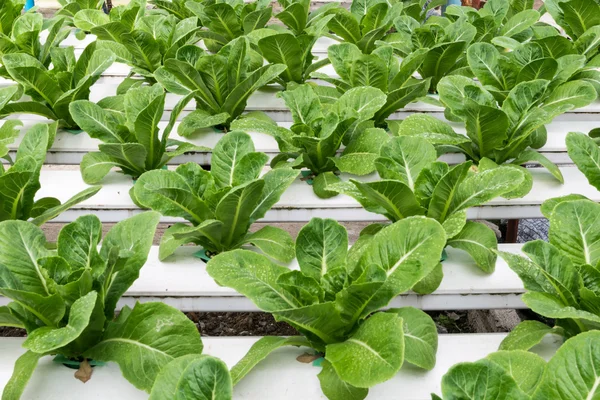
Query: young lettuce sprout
[
  {"x": 53, "y": 90},
  {"x": 381, "y": 70},
  {"x": 414, "y": 183},
  {"x": 220, "y": 204},
  {"x": 220, "y": 83},
  {"x": 561, "y": 277},
  {"x": 572, "y": 373},
  {"x": 21, "y": 180},
  {"x": 585, "y": 153},
  {"x": 334, "y": 299},
  {"x": 320, "y": 129},
  {"x": 506, "y": 134},
  {"x": 66, "y": 299},
  {"x": 128, "y": 127}
]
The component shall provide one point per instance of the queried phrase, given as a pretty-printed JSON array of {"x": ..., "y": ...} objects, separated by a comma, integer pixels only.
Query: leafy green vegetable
[
  {"x": 21, "y": 180},
  {"x": 293, "y": 47},
  {"x": 381, "y": 70},
  {"x": 53, "y": 90},
  {"x": 227, "y": 21},
  {"x": 585, "y": 153},
  {"x": 220, "y": 83},
  {"x": 144, "y": 40},
  {"x": 499, "y": 134},
  {"x": 78, "y": 12},
  {"x": 220, "y": 204},
  {"x": 66, "y": 299},
  {"x": 21, "y": 34},
  {"x": 128, "y": 127},
  {"x": 178, "y": 8},
  {"x": 320, "y": 128},
  {"x": 193, "y": 377},
  {"x": 414, "y": 183},
  {"x": 365, "y": 23},
  {"x": 572, "y": 373},
  {"x": 439, "y": 50},
  {"x": 334, "y": 298},
  {"x": 561, "y": 277}
]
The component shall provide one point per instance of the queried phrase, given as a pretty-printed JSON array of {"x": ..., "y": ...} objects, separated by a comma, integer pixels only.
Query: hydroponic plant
[
  {"x": 20, "y": 180},
  {"x": 66, "y": 299},
  {"x": 293, "y": 48},
  {"x": 572, "y": 373},
  {"x": 319, "y": 130},
  {"x": 220, "y": 204},
  {"x": 220, "y": 83},
  {"x": 365, "y": 23},
  {"x": 414, "y": 183},
  {"x": 52, "y": 90},
  {"x": 585, "y": 153},
  {"x": 21, "y": 34},
  {"x": 178, "y": 8},
  {"x": 501, "y": 72},
  {"x": 143, "y": 39},
  {"x": 334, "y": 298},
  {"x": 561, "y": 277},
  {"x": 128, "y": 127},
  {"x": 227, "y": 21},
  {"x": 194, "y": 376},
  {"x": 381, "y": 70},
  {"x": 506, "y": 134},
  {"x": 82, "y": 12}
]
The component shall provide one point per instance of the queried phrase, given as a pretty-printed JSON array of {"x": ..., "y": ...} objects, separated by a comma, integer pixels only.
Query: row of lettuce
[{"x": 65, "y": 293}]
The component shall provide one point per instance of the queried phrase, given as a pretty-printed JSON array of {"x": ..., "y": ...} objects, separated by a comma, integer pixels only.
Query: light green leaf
[
  {"x": 95, "y": 166},
  {"x": 585, "y": 153},
  {"x": 574, "y": 371},
  {"x": 321, "y": 246},
  {"x": 373, "y": 354},
  {"x": 151, "y": 336},
  {"x": 391, "y": 198},
  {"x": 335, "y": 388},
  {"x": 8, "y": 319},
  {"x": 409, "y": 156},
  {"x": 193, "y": 376},
  {"x": 53, "y": 212},
  {"x": 551, "y": 307},
  {"x": 420, "y": 336},
  {"x": 526, "y": 335},
  {"x": 274, "y": 242},
  {"x": 260, "y": 350},
  {"x": 254, "y": 276},
  {"x": 22, "y": 372},
  {"x": 359, "y": 156},
  {"x": 525, "y": 368},
  {"x": 46, "y": 339},
  {"x": 480, "y": 242}
]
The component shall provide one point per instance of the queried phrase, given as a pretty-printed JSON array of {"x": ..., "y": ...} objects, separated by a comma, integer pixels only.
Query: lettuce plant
[
  {"x": 319, "y": 130},
  {"x": 220, "y": 83},
  {"x": 82, "y": 12},
  {"x": 20, "y": 182},
  {"x": 500, "y": 73},
  {"x": 128, "y": 127},
  {"x": 52, "y": 90},
  {"x": 142, "y": 39},
  {"x": 381, "y": 70},
  {"x": 414, "y": 183},
  {"x": 293, "y": 48},
  {"x": 418, "y": 9},
  {"x": 365, "y": 23},
  {"x": 220, "y": 204},
  {"x": 585, "y": 153},
  {"x": 572, "y": 373},
  {"x": 444, "y": 46},
  {"x": 66, "y": 299},
  {"x": 178, "y": 8},
  {"x": 21, "y": 34},
  {"x": 333, "y": 301},
  {"x": 500, "y": 134},
  {"x": 561, "y": 277},
  {"x": 227, "y": 21}
]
